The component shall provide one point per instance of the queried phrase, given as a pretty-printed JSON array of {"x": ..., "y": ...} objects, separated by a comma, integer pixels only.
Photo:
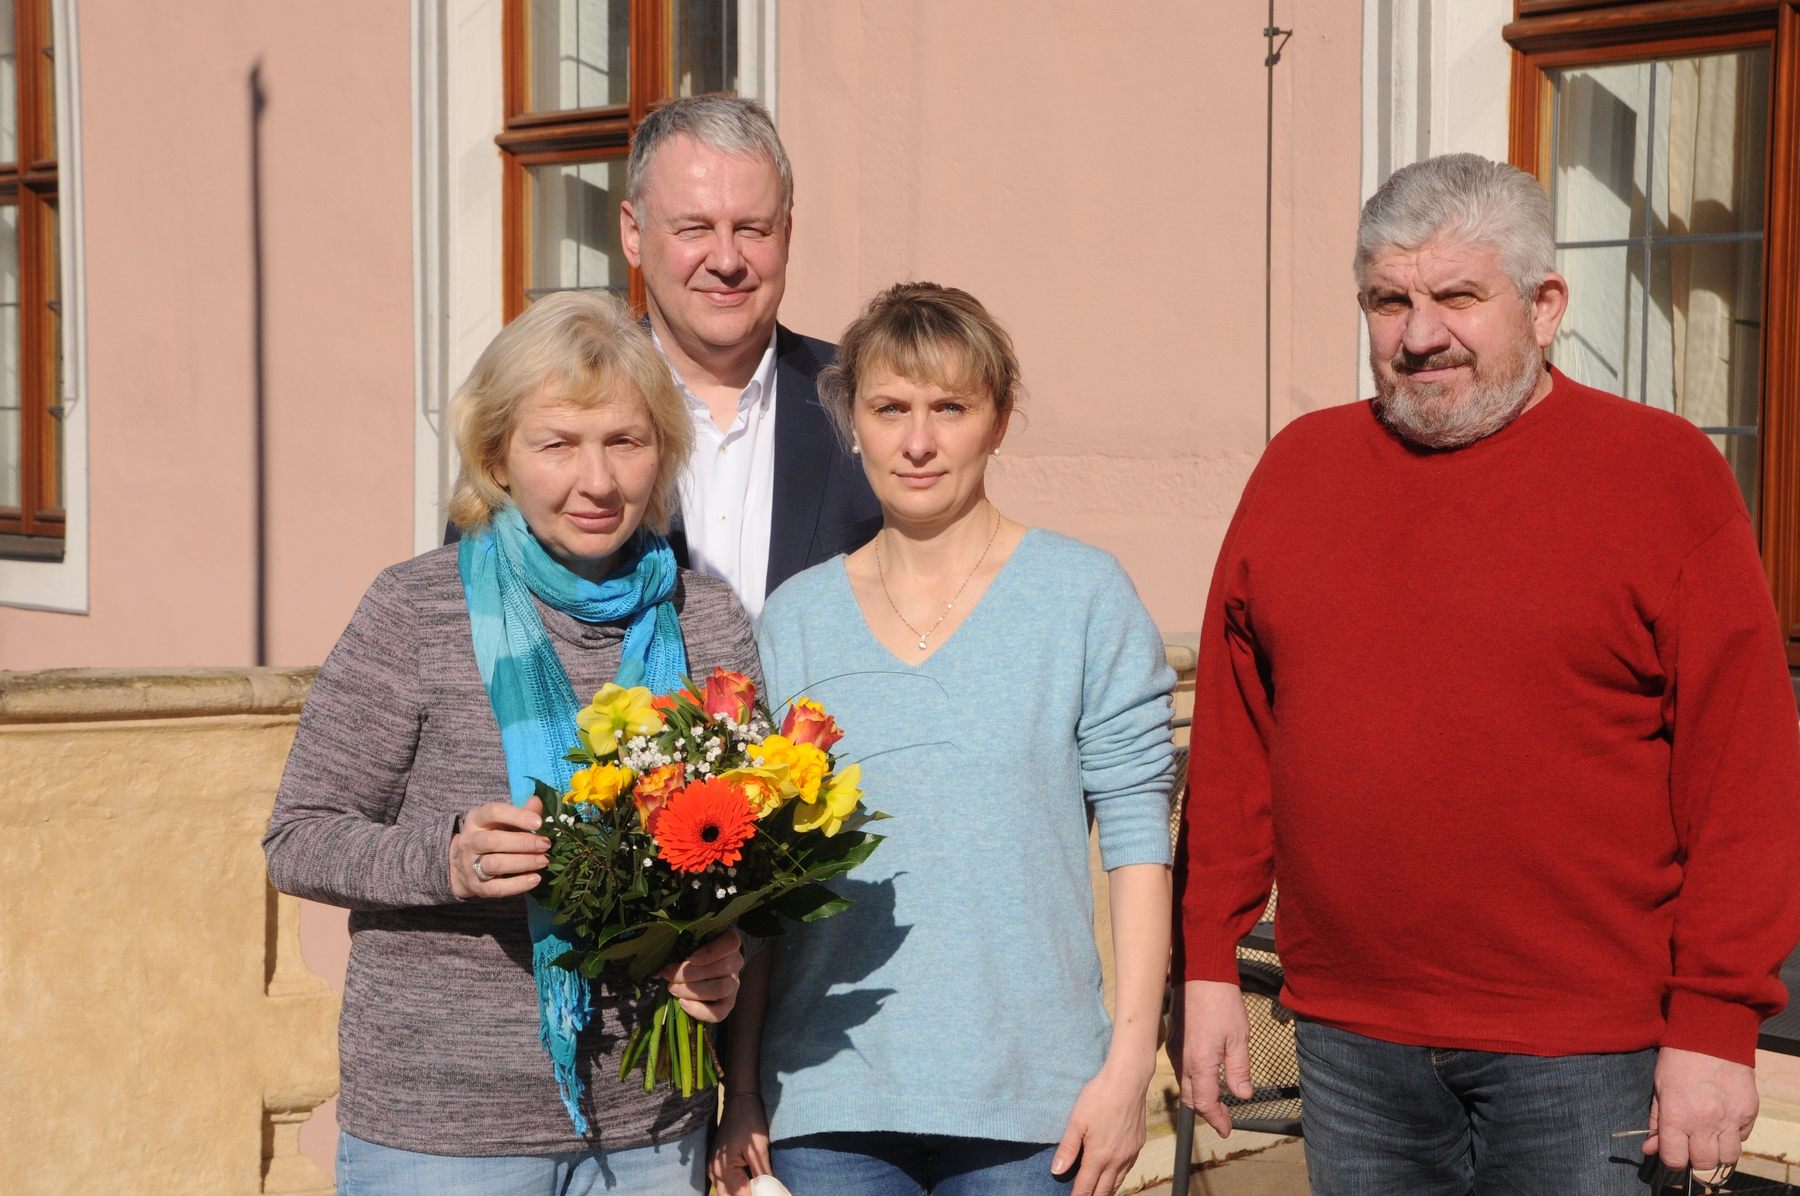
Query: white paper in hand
[{"x": 768, "y": 1185}]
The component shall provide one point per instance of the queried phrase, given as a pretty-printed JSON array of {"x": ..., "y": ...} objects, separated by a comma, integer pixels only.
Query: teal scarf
[{"x": 502, "y": 567}]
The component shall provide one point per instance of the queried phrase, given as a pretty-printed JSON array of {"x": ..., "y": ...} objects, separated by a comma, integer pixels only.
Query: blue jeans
[
  {"x": 908, "y": 1164},
  {"x": 1383, "y": 1118},
  {"x": 365, "y": 1169}
]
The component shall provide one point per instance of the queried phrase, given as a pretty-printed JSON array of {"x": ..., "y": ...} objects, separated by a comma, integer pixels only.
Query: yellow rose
[
  {"x": 767, "y": 786},
  {"x": 837, "y": 803},
  {"x": 615, "y": 715},
  {"x": 599, "y": 785},
  {"x": 806, "y": 764}
]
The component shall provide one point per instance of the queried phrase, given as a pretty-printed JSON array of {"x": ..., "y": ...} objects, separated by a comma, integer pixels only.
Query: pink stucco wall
[
  {"x": 165, "y": 124},
  {"x": 1093, "y": 172}
]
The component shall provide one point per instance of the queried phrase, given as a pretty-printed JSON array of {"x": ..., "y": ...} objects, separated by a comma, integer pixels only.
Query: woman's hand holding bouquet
[{"x": 691, "y": 813}]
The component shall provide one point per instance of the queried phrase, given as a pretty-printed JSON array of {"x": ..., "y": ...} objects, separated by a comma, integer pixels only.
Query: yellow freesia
[
  {"x": 768, "y": 787},
  {"x": 837, "y": 803},
  {"x": 615, "y": 715},
  {"x": 806, "y": 764},
  {"x": 599, "y": 785}
]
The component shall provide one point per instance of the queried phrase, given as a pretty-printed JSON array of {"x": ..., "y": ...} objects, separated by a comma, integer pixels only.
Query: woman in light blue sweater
[{"x": 1000, "y": 686}]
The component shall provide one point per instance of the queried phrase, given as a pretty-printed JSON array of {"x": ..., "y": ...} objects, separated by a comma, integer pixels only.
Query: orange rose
[
  {"x": 653, "y": 791},
  {"x": 807, "y": 722},
  {"x": 729, "y": 695}
]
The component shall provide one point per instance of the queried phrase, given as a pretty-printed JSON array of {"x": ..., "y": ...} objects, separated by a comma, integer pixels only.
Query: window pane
[
  {"x": 1600, "y": 341},
  {"x": 9, "y": 84},
  {"x": 703, "y": 46},
  {"x": 1660, "y": 166},
  {"x": 10, "y": 447},
  {"x": 53, "y": 486},
  {"x": 1598, "y": 165},
  {"x": 575, "y": 228},
  {"x": 579, "y": 54}
]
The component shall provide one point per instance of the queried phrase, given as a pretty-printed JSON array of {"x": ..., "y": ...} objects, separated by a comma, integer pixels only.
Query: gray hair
[
  {"x": 723, "y": 124},
  {"x": 1464, "y": 197}
]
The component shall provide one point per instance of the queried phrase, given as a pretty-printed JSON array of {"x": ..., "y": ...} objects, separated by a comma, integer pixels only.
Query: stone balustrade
[{"x": 161, "y": 1033}]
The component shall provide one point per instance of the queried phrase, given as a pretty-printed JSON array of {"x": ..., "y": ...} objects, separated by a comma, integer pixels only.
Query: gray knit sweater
[{"x": 439, "y": 1033}]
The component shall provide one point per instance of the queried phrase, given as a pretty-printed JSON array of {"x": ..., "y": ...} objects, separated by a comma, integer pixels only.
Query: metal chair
[{"x": 1274, "y": 1106}]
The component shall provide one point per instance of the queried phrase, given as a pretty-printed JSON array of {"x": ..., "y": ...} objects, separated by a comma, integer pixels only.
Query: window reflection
[
  {"x": 580, "y": 53},
  {"x": 9, "y": 84},
  {"x": 1657, "y": 176},
  {"x": 703, "y": 41},
  {"x": 11, "y": 462},
  {"x": 575, "y": 228}
]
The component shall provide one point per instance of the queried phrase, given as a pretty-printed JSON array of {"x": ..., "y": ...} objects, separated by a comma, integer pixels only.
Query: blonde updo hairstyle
[
  {"x": 588, "y": 345},
  {"x": 928, "y": 334}
]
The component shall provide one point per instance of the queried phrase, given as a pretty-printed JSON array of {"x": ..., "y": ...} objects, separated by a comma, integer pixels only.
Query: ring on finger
[{"x": 480, "y": 872}]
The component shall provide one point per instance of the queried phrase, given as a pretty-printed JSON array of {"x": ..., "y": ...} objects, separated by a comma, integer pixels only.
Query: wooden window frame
[
  {"x": 31, "y": 184},
  {"x": 1547, "y": 34},
  {"x": 576, "y": 135}
]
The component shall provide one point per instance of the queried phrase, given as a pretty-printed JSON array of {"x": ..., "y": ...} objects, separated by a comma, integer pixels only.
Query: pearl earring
[
  {"x": 856, "y": 449},
  {"x": 996, "y": 452}
]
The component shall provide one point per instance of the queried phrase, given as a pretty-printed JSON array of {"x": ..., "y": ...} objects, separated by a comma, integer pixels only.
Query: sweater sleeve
[
  {"x": 1225, "y": 859},
  {"x": 333, "y": 837},
  {"x": 1124, "y": 738},
  {"x": 1734, "y": 788}
]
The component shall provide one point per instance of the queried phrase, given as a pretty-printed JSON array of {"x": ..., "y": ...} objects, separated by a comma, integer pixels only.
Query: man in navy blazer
[{"x": 769, "y": 490}]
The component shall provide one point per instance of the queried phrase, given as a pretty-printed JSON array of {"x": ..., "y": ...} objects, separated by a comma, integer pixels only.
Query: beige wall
[
  {"x": 1094, "y": 173},
  {"x": 166, "y": 152},
  {"x": 161, "y": 1033}
]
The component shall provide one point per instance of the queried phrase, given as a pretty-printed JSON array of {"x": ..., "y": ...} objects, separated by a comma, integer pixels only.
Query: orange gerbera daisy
[
  {"x": 705, "y": 824},
  {"x": 670, "y": 702}
]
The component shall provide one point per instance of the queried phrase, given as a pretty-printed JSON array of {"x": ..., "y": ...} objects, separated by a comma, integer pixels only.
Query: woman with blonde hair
[
  {"x": 1000, "y": 685},
  {"x": 470, "y": 1063}
]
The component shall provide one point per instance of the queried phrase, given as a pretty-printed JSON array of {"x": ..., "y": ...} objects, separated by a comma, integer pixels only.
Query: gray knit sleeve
[{"x": 337, "y": 835}]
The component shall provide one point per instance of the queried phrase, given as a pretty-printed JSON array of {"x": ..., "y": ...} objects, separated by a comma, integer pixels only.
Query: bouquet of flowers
[{"x": 691, "y": 813}]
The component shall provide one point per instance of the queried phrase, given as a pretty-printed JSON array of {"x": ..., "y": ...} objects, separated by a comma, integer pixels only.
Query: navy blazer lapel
[{"x": 803, "y": 453}]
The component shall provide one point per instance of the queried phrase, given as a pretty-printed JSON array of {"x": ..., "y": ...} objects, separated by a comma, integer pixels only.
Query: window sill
[{"x": 31, "y": 548}]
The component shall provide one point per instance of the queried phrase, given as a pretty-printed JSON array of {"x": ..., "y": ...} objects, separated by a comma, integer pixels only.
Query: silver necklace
[{"x": 948, "y": 606}]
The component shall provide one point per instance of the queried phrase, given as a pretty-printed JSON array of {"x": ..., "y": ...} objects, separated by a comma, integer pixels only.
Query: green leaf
[
  {"x": 704, "y": 928},
  {"x": 653, "y": 950},
  {"x": 799, "y": 904},
  {"x": 828, "y": 909},
  {"x": 857, "y": 854}
]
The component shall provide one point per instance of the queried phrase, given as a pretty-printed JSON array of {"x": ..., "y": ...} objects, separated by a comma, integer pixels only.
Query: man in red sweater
[{"x": 1491, "y": 684}]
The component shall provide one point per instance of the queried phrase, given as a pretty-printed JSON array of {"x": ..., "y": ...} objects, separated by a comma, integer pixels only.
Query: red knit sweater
[{"x": 1512, "y": 727}]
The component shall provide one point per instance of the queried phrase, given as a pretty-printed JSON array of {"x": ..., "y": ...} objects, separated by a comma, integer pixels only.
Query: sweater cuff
[
  {"x": 1711, "y": 1026},
  {"x": 1201, "y": 956}
]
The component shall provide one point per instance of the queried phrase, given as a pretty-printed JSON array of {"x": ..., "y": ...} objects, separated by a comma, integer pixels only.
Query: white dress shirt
[{"x": 728, "y": 488}]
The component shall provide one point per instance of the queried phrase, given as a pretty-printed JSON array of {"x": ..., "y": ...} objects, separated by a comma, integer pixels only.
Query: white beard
[{"x": 1425, "y": 413}]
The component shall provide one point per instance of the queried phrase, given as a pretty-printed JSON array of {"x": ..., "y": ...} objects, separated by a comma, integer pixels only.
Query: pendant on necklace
[{"x": 921, "y": 643}]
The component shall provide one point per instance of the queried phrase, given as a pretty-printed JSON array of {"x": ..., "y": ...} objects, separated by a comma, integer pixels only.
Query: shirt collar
[{"x": 758, "y": 393}]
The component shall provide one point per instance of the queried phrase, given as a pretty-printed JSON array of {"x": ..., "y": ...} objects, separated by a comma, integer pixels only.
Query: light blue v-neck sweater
[{"x": 961, "y": 994}]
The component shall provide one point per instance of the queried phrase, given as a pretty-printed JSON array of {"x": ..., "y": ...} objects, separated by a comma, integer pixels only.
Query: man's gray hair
[
  {"x": 1464, "y": 197},
  {"x": 723, "y": 124}
]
